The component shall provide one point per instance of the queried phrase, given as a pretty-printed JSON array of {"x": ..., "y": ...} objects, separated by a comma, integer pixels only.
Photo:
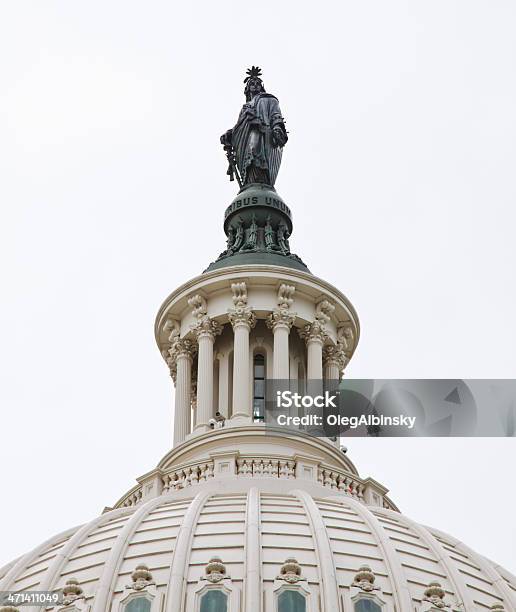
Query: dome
[{"x": 252, "y": 522}]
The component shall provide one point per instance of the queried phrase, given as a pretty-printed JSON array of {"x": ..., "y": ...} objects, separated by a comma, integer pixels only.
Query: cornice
[{"x": 276, "y": 273}]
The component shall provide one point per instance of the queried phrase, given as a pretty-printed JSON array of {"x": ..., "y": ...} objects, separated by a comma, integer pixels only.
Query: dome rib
[
  {"x": 328, "y": 573},
  {"x": 54, "y": 569},
  {"x": 111, "y": 567},
  {"x": 401, "y": 592},
  {"x": 499, "y": 583},
  {"x": 253, "y": 589},
  {"x": 443, "y": 557},
  {"x": 31, "y": 556},
  {"x": 180, "y": 562}
]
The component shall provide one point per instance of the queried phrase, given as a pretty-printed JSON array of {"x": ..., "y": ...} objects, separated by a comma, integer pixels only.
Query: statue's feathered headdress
[{"x": 253, "y": 72}]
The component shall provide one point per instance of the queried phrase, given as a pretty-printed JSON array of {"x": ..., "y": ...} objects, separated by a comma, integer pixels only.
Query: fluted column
[
  {"x": 280, "y": 321},
  {"x": 333, "y": 361},
  {"x": 182, "y": 354},
  {"x": 243, "y": 320},
  {"x": 205, "y": 330},
  {"x": 224, "y": 385},
  {"x": 314, "y": 336}
]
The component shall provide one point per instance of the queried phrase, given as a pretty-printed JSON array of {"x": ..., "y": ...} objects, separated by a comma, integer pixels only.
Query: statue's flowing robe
[{"x": 257, "y": 155}]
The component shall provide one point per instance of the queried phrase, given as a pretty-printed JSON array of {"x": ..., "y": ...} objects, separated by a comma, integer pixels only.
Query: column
[
  {"x": 242, "y": 319},
  {"x": 205, "y": 330},
  {"x": 224, "y": 385},
  {"x": 333, "y": 363},
  {"x": 183, "y": 357},
  {"x": 315, "y": 336},
  {"x": 280, "y": 321}
]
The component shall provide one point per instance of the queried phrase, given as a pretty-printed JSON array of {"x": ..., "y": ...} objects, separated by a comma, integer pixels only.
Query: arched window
[
  {"x": 139, "y": 604},
  {"x": 367, "y": 605},
  {"x": 259, "y": 387},
  {"x": 291, "y": 601},
  {"x": 214, "y": 600}
]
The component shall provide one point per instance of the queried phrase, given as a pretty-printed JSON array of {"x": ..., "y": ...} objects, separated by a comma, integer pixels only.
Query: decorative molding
[
  {"x": 346, "y": 339},
  {"x": 207, "y": 327},
  {"x": 280, "y": 317},
  {"x": 199, "y": 305},
  {"x": 72, "y": 591},
  {"x": 286, "y": 295},
  {"x": 313, "y": 332},
  {"x": 73, "y": 597},
  {"x": 183, "y": 348},
  {"x": 141, "y": 577},
  {"x": 172, "y": 329},
  {"x": 323, "y": 311},
  {"x": 239, "y": 291},
  {"x": 334, "y": 355},
  {"x": 291, "y": 571},
  {"x": 435, "y": 594},
  {"x": 364, "y": 579},
  {"x": 215, "y": 571},
  {"x": 242, "y": 316}
]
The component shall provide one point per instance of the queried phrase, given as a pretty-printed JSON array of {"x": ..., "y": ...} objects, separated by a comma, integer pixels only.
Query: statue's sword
[{"x": 232, "y": 168}]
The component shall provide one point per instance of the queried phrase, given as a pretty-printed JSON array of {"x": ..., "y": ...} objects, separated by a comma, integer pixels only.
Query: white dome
[{"x": 253, "y": 522}]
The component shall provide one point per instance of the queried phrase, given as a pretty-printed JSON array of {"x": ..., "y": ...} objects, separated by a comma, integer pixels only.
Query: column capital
[
  {"x": 281, "y": 317},
  {"x": 242, "y": 316},
  {"x": 334, "y": 355},
  {"x": 171, "y": 363},
  {"x": 313, "y": 332},
  {"x": 181, "y": 348},
  {"x": 207, "y": 327}
]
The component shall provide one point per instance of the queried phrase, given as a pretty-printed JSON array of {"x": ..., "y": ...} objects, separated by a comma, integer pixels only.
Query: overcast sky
[{"x": 400, "y": 172}]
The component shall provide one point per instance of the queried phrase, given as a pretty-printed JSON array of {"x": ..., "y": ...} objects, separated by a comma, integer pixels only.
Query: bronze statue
[{"x": 254, "y": 146}]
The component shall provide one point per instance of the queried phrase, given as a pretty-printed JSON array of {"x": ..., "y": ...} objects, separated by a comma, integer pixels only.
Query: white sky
[{"x": 400, "y": 175}]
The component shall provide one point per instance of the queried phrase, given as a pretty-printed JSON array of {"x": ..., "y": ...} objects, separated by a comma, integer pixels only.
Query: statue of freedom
[{"x": 254, "y": 146}]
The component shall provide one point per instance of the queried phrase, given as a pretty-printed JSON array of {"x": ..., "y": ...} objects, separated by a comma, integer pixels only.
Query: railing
[
  {"x": 189, "y": 475},
  {"x": 341, "y": 481},
  {"x": 134, "y": 497},
  {"x": 260, "y": 467}
]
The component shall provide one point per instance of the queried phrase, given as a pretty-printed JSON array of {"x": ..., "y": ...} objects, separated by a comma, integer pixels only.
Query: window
[
  {"x": 367, "y": 605},
  {"x": 214, "y": 600},
  {"x": 139, "y": 604},
  {"x": 259, "y": 388},
  {"x": 291, "y": 601}
]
